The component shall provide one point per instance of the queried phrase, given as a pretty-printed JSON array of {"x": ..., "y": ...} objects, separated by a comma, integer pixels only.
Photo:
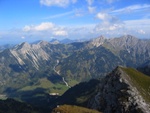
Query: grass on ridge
[
  {"x": 140, "y": 81},
  {"x": 73, "y": 109}
]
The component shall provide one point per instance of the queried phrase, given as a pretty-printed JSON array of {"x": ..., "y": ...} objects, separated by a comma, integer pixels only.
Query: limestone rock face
[
  {"x": 116, "y": 94},
  {"x": 97, "y": 41},
  {"x": 33, "y": 53}
]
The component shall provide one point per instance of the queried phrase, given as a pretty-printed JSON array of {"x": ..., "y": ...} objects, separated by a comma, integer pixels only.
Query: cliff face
[{"x": 118, "y": 94}]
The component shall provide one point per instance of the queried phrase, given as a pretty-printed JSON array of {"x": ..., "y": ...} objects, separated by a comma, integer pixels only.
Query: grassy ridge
[
  {"x": 73, "y": 109},
  {"x": 140, "y": 81}
]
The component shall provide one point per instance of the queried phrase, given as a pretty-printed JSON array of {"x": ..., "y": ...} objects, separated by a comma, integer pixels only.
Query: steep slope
[
  {"x": 27, "y": 70},
  {"x": 124, "y": 90},
  {"x": 96, "y": 42},
  {"x": 89, "y": 63},
  {"x": 79, "y": 94},
  {"x": 18, "y": 65},
  {"x": 145, "y": 68},
  {"x": 131, "y": 50},
  {"x": 99, "y": 56}
]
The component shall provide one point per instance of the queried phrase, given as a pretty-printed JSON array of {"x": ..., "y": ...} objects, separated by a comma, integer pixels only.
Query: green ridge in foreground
[
  {"x": 140, "y": 81},
  {"x": 73, "y": 109}
]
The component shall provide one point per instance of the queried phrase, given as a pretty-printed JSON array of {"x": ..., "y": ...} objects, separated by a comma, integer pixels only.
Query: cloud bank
[{"x": 50, "y": 27}]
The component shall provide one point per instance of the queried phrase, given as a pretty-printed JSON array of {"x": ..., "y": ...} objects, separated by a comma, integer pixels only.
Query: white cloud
[
  {"x": 60, "y": 33},
  {"x": 139, "y": 28},
  {"x": 59, "y": 3},
  {"x": 44, "y": 26},
  {"x": 41, "y": 27},
  {"x": 141, "y": 23},
  {"x": 74, "y": 1},
  {"x": 111, "y": 1},
  {"x": 60, "y": 15},
  {"x": 141, "y": 31},
  {"x": 142, "y": 26},
  {"x": 111, "y": 25},
  {"x": 108, "y": 27},
  {"x": 90, "y": 2},
  {"x": 23, "y": 37},
  {"x": 103, "y": 16},
  {"x": 91, "y": 9},
  {"x": 79, "y": 12},
  {"x": 115, "y": 26},
  {"x": 107, "y": 18},
  {"x": 27, "y": 28},
  {"x": 132, "y": 8},
  {"x": 108, "y": 24}
]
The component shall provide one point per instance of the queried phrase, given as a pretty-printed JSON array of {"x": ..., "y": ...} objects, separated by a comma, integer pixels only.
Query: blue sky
[{"x": 31, "y": 20}]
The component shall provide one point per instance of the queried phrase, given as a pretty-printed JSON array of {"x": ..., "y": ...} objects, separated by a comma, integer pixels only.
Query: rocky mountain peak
[
  {"x": 23, "y": 46},
  {"x": 130, "y": 39},
  {"x": 43, "y": 43},
  {"x": 125, "y": 42},
  {"x": 118, "y": 94},
  {"x": 98, "y": 41},
  {"x": 33, "y": 53},
  {"x": 54, "y": 41}
]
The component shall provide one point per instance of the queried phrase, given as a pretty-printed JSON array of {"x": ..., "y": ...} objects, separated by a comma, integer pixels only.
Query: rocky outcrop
[
  {"x": 97, "y": 41},
  {"x": 32, "y": 53},
  {"x": 117, "y": 94}
]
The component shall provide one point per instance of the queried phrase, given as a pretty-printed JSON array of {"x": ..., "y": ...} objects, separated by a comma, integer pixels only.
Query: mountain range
[{"x": 43, "y": 71}]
